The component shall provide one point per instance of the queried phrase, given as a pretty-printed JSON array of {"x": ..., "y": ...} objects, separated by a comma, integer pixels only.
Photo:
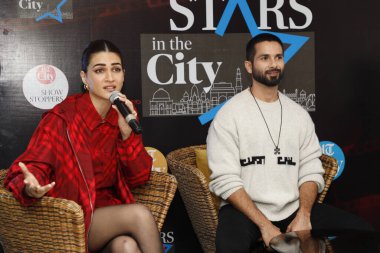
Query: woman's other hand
[{"x": 32, "y": 186}]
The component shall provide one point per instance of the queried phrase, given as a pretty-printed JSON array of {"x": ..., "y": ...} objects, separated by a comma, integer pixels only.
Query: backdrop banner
[{"x": 185, "y": 58}]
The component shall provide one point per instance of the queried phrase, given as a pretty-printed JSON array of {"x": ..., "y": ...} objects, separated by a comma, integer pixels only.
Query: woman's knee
[
  {"x": 141, "y": 213},
  {"x": 123, "y": 244}
]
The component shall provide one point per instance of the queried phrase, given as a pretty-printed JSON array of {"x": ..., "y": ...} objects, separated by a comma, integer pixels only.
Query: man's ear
[{"x": 248, "y": 66}]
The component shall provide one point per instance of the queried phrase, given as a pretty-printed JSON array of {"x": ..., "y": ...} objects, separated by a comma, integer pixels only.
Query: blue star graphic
[
  {"x": 57, "y": 17},
  {"x": 167, "y": 247},
  {"x": 295, "y": 41}
]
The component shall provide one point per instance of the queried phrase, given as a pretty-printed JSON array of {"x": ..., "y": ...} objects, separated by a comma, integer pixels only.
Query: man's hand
[
  {"x": 32, "y": 186},
  {"x": 242, "y": 202},
  {"x": 300, "y": 222},
  {"x": 308, "y": 194},
  {"x": 268, "y": 232}
]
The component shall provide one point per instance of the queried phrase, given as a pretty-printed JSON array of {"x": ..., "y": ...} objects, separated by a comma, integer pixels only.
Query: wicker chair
[
  {"x": 57, "y": 225},
  {"x": 196, "y": 196}
]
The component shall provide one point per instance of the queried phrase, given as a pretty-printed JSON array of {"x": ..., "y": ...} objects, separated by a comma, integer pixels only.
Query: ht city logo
[
  {"x": 332, "y": 149},
  {"x": 295, "y": 42},
  {"x": 44, "y": 9}
]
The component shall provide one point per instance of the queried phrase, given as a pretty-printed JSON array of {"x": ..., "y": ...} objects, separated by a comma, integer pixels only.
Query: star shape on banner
[
  {"x": 57, "y": 16},
  {"x": 295, "y": 41}
]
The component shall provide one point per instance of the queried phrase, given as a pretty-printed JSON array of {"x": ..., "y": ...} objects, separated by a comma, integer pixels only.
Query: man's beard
[{"x": 271, "y": 81}]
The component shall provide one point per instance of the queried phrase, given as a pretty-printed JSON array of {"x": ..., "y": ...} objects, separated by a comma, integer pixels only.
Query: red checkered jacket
[{"x": 58, "y": 152}]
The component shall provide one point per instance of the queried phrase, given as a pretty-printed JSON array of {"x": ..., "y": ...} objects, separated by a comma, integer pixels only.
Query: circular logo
[
  {"x": 44, "y": 86},
  {"x": 332, "y": 149},
  {"x": 159, "y": 160}
]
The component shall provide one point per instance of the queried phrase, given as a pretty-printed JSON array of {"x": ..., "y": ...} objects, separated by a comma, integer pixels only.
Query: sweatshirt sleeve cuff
[{"x": 226, "y": 194}]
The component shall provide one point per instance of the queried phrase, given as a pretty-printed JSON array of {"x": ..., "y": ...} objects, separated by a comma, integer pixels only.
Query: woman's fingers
[
  {"x": 38, "y": 191},
  {"x": 128, "y": 103},
  {"x": 24, "y": 169},
  {"x": 44, "y": 189},
  {"x": 29, "y": 178}
]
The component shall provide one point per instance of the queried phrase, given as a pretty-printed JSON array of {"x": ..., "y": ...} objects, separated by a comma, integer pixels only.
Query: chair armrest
[
  {"x": 59, "y": 221},
  {"x": 196, "y": 195},
  {"x": 330, "y": 165},
  {"x": 157, "y": 194}
]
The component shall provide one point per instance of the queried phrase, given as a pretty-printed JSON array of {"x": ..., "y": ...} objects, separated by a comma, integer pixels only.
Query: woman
[{"x": 84, "y": 150}]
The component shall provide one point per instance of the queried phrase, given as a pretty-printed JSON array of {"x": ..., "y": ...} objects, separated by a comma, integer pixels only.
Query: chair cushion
[{"x": 202, "y": 165}]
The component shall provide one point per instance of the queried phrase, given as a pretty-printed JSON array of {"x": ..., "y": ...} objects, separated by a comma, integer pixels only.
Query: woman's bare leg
[{"x": 133, "y": 220}]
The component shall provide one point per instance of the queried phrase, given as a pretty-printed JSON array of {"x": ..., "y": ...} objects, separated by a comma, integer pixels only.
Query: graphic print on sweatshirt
[{"x": 281, "y": 160}]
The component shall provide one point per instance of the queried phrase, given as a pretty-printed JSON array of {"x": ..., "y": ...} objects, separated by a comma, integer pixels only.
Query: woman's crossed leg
[{"x": 125, "y": 229}]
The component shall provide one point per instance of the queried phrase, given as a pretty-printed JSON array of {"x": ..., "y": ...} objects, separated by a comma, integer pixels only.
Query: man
[{"x": 264, "y": 156}]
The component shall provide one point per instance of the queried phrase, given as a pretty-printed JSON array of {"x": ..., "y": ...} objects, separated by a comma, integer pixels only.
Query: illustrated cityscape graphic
[{"x": 194, "y": 102}]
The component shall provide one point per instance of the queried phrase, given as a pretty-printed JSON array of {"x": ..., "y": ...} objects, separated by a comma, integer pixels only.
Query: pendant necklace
[{"x": 276, "y": 148}]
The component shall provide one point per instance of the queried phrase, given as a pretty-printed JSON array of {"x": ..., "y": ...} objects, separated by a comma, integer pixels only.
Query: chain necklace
[{"x": 276, "y": 148}]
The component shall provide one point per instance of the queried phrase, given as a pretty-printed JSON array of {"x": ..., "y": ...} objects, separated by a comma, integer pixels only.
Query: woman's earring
[{"x": 85, "y": 86}]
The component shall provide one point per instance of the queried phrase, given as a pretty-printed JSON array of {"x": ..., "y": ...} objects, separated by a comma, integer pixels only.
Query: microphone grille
[{"x": 114, "y": 95}]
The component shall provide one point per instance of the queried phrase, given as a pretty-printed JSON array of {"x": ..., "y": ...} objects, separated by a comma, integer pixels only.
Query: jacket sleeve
[
  {"x": 310, "y": 165},
  {"x": 223, "y": 159},
  {"x": 135, "y": 161},
  {"x": 38, "y": 158}
]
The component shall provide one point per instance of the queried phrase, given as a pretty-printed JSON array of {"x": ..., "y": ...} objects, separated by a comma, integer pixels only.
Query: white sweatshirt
[{"x": 240, "y": 153}]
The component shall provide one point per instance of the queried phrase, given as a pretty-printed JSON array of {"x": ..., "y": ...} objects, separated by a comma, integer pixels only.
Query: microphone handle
[
  {"x": 129, "y": 117},
  {"x": 123, "y": 109},
  {"x": 134, "y": 124}
]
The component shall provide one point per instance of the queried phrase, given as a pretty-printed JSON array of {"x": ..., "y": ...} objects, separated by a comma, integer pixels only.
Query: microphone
[{"x": 124, "y": 110}]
